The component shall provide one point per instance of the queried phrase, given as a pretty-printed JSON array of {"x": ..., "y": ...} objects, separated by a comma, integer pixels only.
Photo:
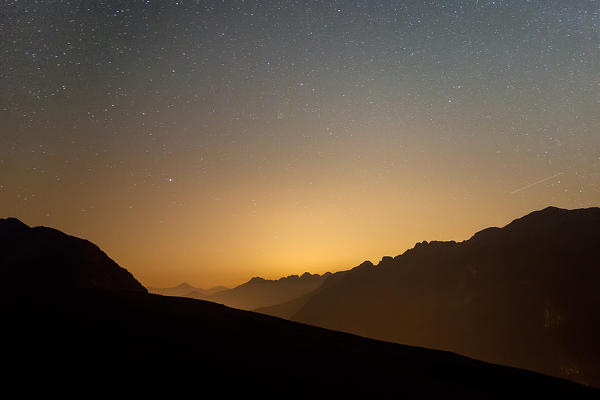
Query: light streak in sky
[{"x": 536, "y": 183}]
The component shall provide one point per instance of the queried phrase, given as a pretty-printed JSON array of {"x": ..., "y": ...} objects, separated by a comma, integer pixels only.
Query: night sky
[{"x": 213, "y": 141}]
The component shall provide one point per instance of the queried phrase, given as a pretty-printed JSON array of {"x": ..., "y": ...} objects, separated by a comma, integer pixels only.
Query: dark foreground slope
[
  {"x": 526, "y": 295},
  {"x": 101, "y": 340}
]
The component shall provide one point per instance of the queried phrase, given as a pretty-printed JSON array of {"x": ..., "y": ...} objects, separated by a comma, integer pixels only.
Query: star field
[{"x": 208, "y": 141}]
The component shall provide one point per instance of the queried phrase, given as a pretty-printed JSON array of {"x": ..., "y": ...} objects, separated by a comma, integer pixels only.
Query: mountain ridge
[
  {"x": 255, "y": 293},
  {"x": 532, "y": 281}
]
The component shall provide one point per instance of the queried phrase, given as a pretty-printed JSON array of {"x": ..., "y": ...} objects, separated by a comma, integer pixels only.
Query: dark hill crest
[{"x": 46, "y": 259}]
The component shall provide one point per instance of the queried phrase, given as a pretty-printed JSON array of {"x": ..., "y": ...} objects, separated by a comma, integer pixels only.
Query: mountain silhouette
[
  {"x": 257, "y": 292},
  {"x": 91, "y": 337},
  {"x": 42, "y": 259},
  {"x": 186, "y": 290},
  {"x": 525, "y": 295}
]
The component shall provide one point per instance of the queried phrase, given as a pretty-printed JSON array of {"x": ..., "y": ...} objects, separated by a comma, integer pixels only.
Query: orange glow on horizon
[{"x": 315, "y": 217}]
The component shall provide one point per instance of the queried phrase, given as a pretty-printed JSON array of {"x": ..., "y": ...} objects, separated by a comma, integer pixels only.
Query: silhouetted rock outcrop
[
  {"x": 525, "y": 295},
  {"x": 45, "y": 259}
]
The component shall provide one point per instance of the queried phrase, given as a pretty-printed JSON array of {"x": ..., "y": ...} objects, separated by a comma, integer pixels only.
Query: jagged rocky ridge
[{"x": 525, "y": 295}]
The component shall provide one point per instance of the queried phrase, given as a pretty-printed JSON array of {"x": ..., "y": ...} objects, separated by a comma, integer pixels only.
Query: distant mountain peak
[
  {"x": 551, "y": 216},
  {"x": 256, "y": 279},
  {"x": 185, "y": 285},
  {"x": 365, "y": 265},
  {"x": 421, "y": 244},
  {"x": 547, "y": 212},
  {"x": 306, "y": 276},
  {"x": 552, "y": 209}
]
